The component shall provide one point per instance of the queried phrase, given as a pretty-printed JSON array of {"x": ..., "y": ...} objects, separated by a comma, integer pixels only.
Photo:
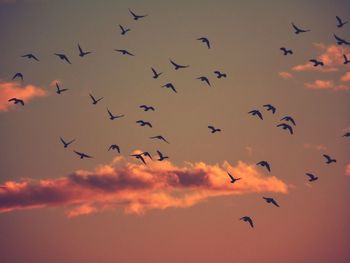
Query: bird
[
  {"x": 139, "y": 156},
  {"x": 347, "y": 134},
  {"x": 155, "y": 73},
  {"x": 269, "y": 107},
  {"x": 147, "y": 108},
  {"x": 247, "y": 219},
  {"x": 169, "y": 86},
  {"x": 82, "y": 155},
  {"x": 264, "y": 164},
  {"x": 95, "y": 101},
  {"x": 124, "y": 52},
  {"x": 311, "y": 177},
  {"x": 144, "y": 123},
  {"x": 299, "y": 30},
  {"x": 124, "y": 30},
  {"x": 233, "y": 180},
  {"x": 329, "y": 159},
  {"x": 341, "y": 41},
  {"x": 271, "y": 200},
  {"x": 257, "y": 113},
  {"x": 30, "y": 56},
  {"x": 58, "y": 90},
  {"x": 340, "y": 22},
  {"x": 346, "y": 60},
  {"x": 66, "y": 144},
  {"x": 82, "y": 53},
  {"x": 159, "y": 137},
  {"x": 114, "y": 147},
  {"x": 63, "y": 57},
  {"x": 112, "y": 117},
  {"x": 136, "y": 17},
  {"x": 16, "y": 101},
  {"x": 161, "y": 156},
  {"x": 288, "y": 118},
  {"x": 178, "y": 66},
  {"x": 203, "y": 78},
  {"x": 213, "y": 129},
  {"x": 219, "y": 74},
  {"x": 18, "y": 75},
  {"x": 205, "y": 40},
  {"x": 316, "y": 62},
  {"x": 285, "y": 126},
  {"x": 286, "y": 51},
  {"x": 147, "y": 154}
]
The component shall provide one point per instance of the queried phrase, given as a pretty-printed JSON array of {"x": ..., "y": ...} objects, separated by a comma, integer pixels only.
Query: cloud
[
  {"x": 136, "y": 188},
  {"x": 285, "y": 75},
  {"x": 347, "y": 170},
  {"x": 345, "y": 77},
  {"x": 326, "y": 84},
  {"x": 318, "y": 147},
  {"x": 9, "y": 90}
]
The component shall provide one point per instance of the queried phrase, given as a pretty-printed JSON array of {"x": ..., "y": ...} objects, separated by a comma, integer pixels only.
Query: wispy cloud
[
  {"x": 285, "y": 75},
  {"x": 347, "y": 170},
  {"x": 318, "y": 147}
]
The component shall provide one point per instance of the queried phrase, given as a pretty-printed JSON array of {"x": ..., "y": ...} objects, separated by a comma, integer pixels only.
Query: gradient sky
[{"x": 105, "y": 226}]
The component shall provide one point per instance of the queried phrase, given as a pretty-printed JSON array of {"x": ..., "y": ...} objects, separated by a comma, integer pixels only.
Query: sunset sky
[{"x": 56, "y": 207}]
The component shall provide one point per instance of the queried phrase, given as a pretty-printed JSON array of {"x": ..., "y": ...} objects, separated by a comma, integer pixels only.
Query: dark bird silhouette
[
  {"x": 66, "y": 144},
  {"x": 299, "y": 30},
  {"x": 285, "y": 126},
  {"x": 347, "y": 134},
  {"x": 112, "y": 117},
  {"x": 169, "y": 86},
  {"x": 264, "y": 164},
  {"x": 95, "y": 101},
  {"x": 136, "y": 17},
  {"x": 288, "y": 118},
  {"x": 247, "y": 219},
  {"x": 124, "y": 30},
  {"x": 83, "y": 53},
  {"x": 159, "y": 137},
  {"x": 311, "y": 177},
  {"x": 114, "y": 147},
  {"x": 233, "y": 180},
  {"x": 30, "y": 56},
  {"x": 329, "y": 159},
  {"x": 203, "y": 78},
  {"x": 17, "y": 101},
  {"x": 139, "y": 157},
  {"x": 271, "y": 201},
  {"x": 59, "y": 90},
  {"x": 124, "y": 52},
  {"x": 144, "y": 123},
  {"x": 83, "y": 155},
  {"x": 161, "y": 156},
  {"x": 346, "y": 60},
  {"x": 340, "y": 22},
  {"x": 256, "y": 113},
  {"x": 219, "y": 74},
  {"x": 63, "y": 57},
  {"x": 213, "y": 129},
  {"x": 316, "y": 62},
  {"x": 269, "y": 107},
  {"x": 341, "y": 41},
  {"x": 286, "y": 51},
  {"x": 178, "y": 66},
  {"x": 204, "y": 40},
  {"x": 18, "y": 75},
  {"x": 155, "y": 73},
  {"x": 147, "y": 108},
  {"x": 147, "y": 154}
]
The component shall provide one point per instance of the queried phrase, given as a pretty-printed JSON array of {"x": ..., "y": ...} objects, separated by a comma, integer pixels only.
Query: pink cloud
[
  {"x": 345, "y": 77},
  {"x": 347, "y": 170},
  {"x": 320, "y": 84},
  {"x": 285, "y": 75}
]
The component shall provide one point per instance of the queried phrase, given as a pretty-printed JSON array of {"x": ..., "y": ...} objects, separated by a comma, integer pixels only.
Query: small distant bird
[
  {"x": 329, "y": 159},
  {"x": 114, "y": 147},
  {"x": 285, "y": 126},
  {"x": 124, "y": 30},
  {"x": 219, "y": 74},
  {"x": 341, "y": 41},
  {"x": 205, "y": 40},
  {"x": 288, "y": 118},
  {"x": 299, "y": 30},
  {"x": 213, "y": 129},
  {"x": 18, "y": 75},
  {"x": 257, "y": 113},
  {"x": 58, "y": 90},
  {"x": 112, "y": 117},
  {"x": 286, "y": 51},
  {"x": 66, "y": 144},
  {"x": 203, "y": 78},
  {"x": 124, "y": 52},
  {"x": 178, "y": 66},
  {"x": 147, "y": 154},
  {"x": 30, "y": 56},
  {"x": 316, "y": 62},
  {"x": 147, "y": 108},
  {"x": 347, "y": 134},
  {"x": 169, "y": 86},
  {"x": 144, "y": 123},
  {"x": 247, "y": 219},
  {"x": 83, "y": 53},
  {"x": 155, "y": 73},
  {"x": 271, "y": 200},
  {"x": 159, "y": 137},
  {"x": 264, "y": 164},
  {"x": 63, "y": 57},
  {"x": 161, "y": 156},
  {"x": 95, "y": 101},
  {"x": 83, "y": 155},
  {"x": 136, "y": 17},
  {"x": 269, "y": 107},
  {"x": 17, "y": 101},
  {"x": 139, "y": 156},
  {"x": 340, "y": 22},
  {"x": 311, "y": 177},
  {"x": 233, "y": 180},
  {"x": 346, "y": 60}
]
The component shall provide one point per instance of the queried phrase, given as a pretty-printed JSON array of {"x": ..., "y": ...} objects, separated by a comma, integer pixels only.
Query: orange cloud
[
  {"x": 136, "y": 188},
  {"x": 347, "y": 170},
  {"x": 285, "y": 75},
  {"x": 320, "y": 84},
  {"x": 10, "y": 90},
  {"x": 345, "y": 77}
]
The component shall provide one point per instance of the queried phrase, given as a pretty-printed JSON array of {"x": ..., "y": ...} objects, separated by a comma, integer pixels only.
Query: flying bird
[
  {"x": 114, "y": 147},
  {"x": 30, "y": 56},
  {"x": 124, "y": 30},
  {"x": 346, "y": 60},
  {"x": 83, "y": 53},
  {"x": 219, "y": 74},
  {"x": 63, "y": 57},
  {"x": 112, "y": 117},
  {"x": 159, "y": 137},
  {"x": 124, "y": 52},
  {"x": 247, "y": 219},
  {"x": 316, "y": 62},
  {"x": 286, "y": 51},
  {"x": 147, "y": 154},
  {"x": 205, "y": 41},
  {"x": 178, "y": 66},
  {"x": 257, "y": 113},
  {"x": 203, "y": 78},
  {"x": 311, "y": 177},
  {"x": 136, "y": 17},
  {"x": 269, "y": 107},
  {"x": 271, "y": 201},
  {"x": 347, "y": 134},
  {"x": 264, "y": 164},
  {"x": 169, "y": 86},
  {"x": 299, "y": 30},
  {"x": 285, "y": 126},
  {"x": 340, "y": 22},
  {"x": 341, "y": 41},
  {"x": 18, "y": 75},
  {"x": 161, "y": 156},
  {"x": 17, "y": 101},
  {"x": 83, "y": 155},
  {"x": 144, "y": 123},
  {"x": 66, "y": 144},
  {"x": 95, "y": 101},
  {"x": 139, "y": 157},
  {"x": 233, "y": 180},
  {"x": 213, "y": 129},
  {"x": 58, "y": 90},
  {"x": 155, "y": 73},
  {"x": 288, "y": 118},
  {"x": 147, "y": 108},
  {"x": 329, "y": 159}
]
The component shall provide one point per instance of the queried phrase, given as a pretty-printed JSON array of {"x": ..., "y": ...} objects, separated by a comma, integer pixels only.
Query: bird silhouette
[
  {"x": 213, "y": 129},
  {"x": 114, "y": 147},
  {"x": 316, "y": 62},
  {"x": 16, "y": 101},
  {"x": 170, "y": 86},
  {"x": 286, "y": 51},
  {"x": 161, "y": 156},
  {"x": 155, "y": 73},
  {"x": 147, "y": 154},
  {"x": 124, "y": 52},
  {"x": 59, "y": 90},
  {"x": 136, "y": 17},
  {"x": 147, "y": 108},
  {"x": 329, "y": 159},
  {"x": 233, "y": 180},
  {"x": 256, "y": 113},
  {"x": 63, "y": 57},
  {"x": 271, "y": 201},
  {"x": 178, "y": 66},
  {"x": 82, "y": 155},
  {"x": 139, "y": 157},
  {"x": 219, "y": 74},
  {"x": 341, "y": 41},
  {"x": 124, "y": 30},
  {"x": 159, "y": 137},
  {"x": 347, "y": 134},
  {"x": 285, "y": 126},
  {"x": 311, "y": 177},
  {"x": 144, "y": 123},
  {"x": 66, "y": 144},
  {"x": 30, "y": 56},
  {"x": 340, "y": 22},
  {"x": 248, "y": 220},
  {"x": 83, "y": 53},
  {"x": 112, "y": 117},
  {"x": 205, "y": 40},
  {"x": 346, "y": 60},
  {"x": 18, "y": 75},
  {"x": 264, "y": 164},
  {"x": 203, "y": 78},
  {"x": 269, "y": 107},
  {"x": 288, "y": 118},
  {"x": 95, "y": 101},
  {"x": 299, "y": 30}
]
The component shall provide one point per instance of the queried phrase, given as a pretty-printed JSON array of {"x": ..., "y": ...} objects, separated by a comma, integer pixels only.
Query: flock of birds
[{"x": 288, "y": 123}]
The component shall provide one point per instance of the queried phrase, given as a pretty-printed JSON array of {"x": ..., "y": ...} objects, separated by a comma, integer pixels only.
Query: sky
[{"x": 56, "y": 207}]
